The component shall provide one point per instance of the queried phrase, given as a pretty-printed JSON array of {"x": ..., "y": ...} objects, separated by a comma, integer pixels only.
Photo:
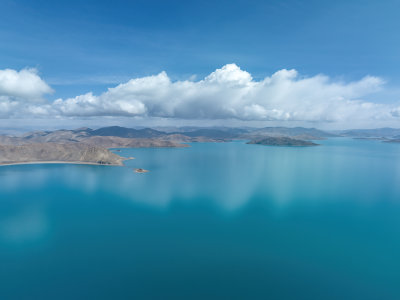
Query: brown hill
[
  {"x": 118, "y": 142},
  {"x": 51, "y": 152}
]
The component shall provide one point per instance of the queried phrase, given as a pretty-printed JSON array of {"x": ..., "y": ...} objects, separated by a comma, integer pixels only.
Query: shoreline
[{"x": 58, "y": 162}]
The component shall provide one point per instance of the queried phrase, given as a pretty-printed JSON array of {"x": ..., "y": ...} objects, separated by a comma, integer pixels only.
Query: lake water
[{"x": 213, "y": 221}]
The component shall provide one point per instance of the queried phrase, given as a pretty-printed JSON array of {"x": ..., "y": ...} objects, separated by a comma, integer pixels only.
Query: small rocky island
[
  {"x": 140, "y": 170},
  {"x": 282, "y": 141},
  {"x": 78, "y": 153}
]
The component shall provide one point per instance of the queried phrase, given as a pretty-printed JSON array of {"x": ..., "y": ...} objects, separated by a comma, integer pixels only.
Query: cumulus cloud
[
  {"x": 23, "y": 85},
  {"x": 21, "y": 93},
  {"x": 395, "y": 112},
  {"x": 229, "y": 93},
  {"x": 226, "y": 93}
]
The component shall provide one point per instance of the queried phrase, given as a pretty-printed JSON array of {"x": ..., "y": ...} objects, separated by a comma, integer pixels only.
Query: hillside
[
  {"x": 85, "y": 136},
  {"x": 282, "y": 141},
  {"x": 295, "y": 132},
  {"x": 126, "y": 132},
  {"x": 51, "y": 152},
  {"x": 118, "y": 142}
]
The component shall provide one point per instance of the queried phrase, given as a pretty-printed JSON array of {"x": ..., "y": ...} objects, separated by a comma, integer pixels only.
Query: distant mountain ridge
[
  {"x": 147, "y": 137},
  {"x": 282, "y": 141},
  {"x": 372, "y": 133},
  {"x": 219, "y": 133},
  {"x": 126, "y": 132},
  {"x": 90, "y": 137},
  {"x": 119, "y": 142},
  {"x": 213, "y": 133},
  {"x": 191, "y": 133},
  {"x": 291, "y": 132}
]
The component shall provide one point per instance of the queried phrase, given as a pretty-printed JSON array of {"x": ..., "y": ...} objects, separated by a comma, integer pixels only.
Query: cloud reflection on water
[
  {"x": 26, "y": 225},
  {"x": 227, "y": 176}
]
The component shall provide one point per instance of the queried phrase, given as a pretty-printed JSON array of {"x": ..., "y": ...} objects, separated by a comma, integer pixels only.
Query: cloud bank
[{"x": 226, "y": 93}]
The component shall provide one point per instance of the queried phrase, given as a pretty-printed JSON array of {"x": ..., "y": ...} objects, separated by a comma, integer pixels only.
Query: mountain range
[
  {"x": 116, "y": 136},
  {"x": 86, "y": 145},
  {"x": 372, "y": 133}
]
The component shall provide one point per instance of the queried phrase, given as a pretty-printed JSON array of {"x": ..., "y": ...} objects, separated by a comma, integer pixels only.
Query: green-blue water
[{"x": 213, "y": 221}]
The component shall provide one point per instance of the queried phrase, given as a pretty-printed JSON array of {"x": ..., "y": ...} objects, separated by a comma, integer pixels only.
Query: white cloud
[
  {"x": 23, "y": 85},
  {"x": 230, "y": 92},
  {"x": 21, "y": 93},
  {"x": 395, "y": 112},
  {"x": 227, "y": 93}
]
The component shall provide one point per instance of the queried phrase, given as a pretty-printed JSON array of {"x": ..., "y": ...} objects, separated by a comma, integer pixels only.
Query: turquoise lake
[{"x": 212, "y": 221}]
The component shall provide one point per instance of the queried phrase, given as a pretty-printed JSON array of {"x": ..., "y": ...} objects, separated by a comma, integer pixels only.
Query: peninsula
[{"x": 76, "y": 153}]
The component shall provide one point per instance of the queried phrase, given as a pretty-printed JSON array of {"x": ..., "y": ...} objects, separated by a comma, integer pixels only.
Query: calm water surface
[{"x": 213, "y": 221}]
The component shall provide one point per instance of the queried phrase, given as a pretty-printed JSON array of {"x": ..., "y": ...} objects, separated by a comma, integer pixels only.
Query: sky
[{"x": 327, "y": 64}]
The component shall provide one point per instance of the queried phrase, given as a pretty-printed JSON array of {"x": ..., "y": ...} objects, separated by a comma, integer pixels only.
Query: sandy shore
[{"x": 56, "y": 162}]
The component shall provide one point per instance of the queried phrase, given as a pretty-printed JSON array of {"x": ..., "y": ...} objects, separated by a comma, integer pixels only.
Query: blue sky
[
  {"x": 83, "y": 46},
  {"x": 105, "y": 41}
]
